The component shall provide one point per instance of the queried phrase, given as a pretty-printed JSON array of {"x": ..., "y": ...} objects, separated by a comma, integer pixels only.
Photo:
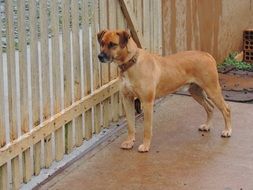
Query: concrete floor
[{"x": 181, "y": 157}]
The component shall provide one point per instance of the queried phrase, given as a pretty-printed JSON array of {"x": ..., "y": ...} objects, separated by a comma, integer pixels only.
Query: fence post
[
  {"x": 45, "y": 72},
  {"x": 96, "y": 81},
  {"x": 3, "y": 168},
  {"x": 77, "y": 68},
  {"x": 86, "y": 66},
  {"x": 2, "y": 102},
  {"x": 121, "y": 24},
  {"x": 3, "y": 177},
  {"x": 24, "y": 115},
  {"x": 56, "y": 77},
  {"x": 35, "y": 81},
  {"x": 67, "y": 72},
  {"x": 105, "y": 69},
  {"x": 113, "y": 66},
  {"x": 12, "y": 90}
]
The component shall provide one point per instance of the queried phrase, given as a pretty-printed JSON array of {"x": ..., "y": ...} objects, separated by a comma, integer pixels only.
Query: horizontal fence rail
[{"x": 54, "y": 93}]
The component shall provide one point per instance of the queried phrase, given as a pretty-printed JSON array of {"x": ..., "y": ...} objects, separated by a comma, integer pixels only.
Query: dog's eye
[
  {"x": 112, "y": 45},
  {"x": 102, "y": 43}
]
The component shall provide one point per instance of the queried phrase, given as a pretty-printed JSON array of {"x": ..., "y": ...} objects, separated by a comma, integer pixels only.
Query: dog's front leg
[
  {"x": 148, "y": 122},
  {"x": 128, "y": 103}
]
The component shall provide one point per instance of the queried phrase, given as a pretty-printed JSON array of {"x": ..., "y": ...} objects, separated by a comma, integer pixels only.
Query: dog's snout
[{"x": 102, "y": 56}]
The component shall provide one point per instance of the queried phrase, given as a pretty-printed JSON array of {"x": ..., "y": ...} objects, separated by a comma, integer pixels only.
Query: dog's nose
[{"x": 101, "y": 56}]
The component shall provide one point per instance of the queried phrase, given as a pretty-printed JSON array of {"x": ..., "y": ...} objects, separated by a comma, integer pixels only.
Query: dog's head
[{"x": 113, "y": 45}]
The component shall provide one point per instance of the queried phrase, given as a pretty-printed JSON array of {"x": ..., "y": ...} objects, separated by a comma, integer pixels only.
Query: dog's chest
[{"x": 126, "y": 84}]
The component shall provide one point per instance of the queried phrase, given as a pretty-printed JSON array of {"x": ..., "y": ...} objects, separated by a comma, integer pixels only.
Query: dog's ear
[
  {"x": 123, "y": 38},
  {"x": 100, "y": 35}
]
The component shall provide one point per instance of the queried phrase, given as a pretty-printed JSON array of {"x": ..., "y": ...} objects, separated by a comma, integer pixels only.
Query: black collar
[{"x": 123, "y": 67}]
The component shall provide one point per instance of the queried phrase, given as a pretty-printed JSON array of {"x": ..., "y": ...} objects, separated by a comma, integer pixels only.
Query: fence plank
[
  {"x": 59, "y": 119},
  {"x": 3, "y": 177},
  {"x": 45, "y": 78},
  {"x": 121, "y": 25},
  {"x": 77, "y": 68},
  {"x": 35, "y": 81},
  {"x": 115, "y": 107},
  {"x": 155, "y": 26},
  {"x": 56, "y": 77},
  {"x": 113, "y": 66},
  {"x": 139, "y": 16},
  {"x": 12, "y": 90},
  {"x": 2, "y": 102},
  {"x": 105, "y": 69},
  {"x": 112, "y": 25},
  {"x": 3, "y": 169},
  {"x": 151, "y": 25},
  {"x": 24, "y": 115},
  {"x": 67, "y": 72},
  {"x": 146, "y": 25},
  {"x": 86, "y": 63},
  {"x": 160, "y": 34},
  {"x": 96, "y": 80},
  {"x": 15, "y": 173}
]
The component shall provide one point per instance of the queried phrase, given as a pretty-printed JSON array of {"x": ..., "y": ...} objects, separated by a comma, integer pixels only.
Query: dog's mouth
[{"x": 103, "y": 58}]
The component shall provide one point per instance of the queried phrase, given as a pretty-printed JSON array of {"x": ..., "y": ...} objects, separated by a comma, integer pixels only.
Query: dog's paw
[
  {"x": 143, "y": 148},
  {"x": 226, "y": 133},
  {"x": 204, "y": 128},
  {"x": 128, "y": 144}
]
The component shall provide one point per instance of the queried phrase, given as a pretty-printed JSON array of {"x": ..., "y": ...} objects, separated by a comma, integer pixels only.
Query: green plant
[{"x": 239, "y": 65}]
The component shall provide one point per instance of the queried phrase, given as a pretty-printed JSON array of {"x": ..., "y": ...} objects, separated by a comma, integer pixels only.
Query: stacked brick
[{"x": 248, "y": 46}]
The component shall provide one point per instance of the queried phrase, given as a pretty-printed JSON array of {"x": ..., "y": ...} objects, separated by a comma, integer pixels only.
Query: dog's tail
[{"x": 137, "y": 105}]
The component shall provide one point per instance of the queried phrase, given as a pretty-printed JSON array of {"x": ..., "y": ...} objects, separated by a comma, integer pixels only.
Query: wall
[{"x": 214, "y": 26}]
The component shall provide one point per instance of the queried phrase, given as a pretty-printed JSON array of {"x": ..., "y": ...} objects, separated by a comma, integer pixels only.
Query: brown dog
[{"x": 149, "y": 76}]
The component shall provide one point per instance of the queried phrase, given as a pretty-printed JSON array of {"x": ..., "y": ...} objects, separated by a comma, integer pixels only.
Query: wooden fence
[{"x": 54, "y": 94}]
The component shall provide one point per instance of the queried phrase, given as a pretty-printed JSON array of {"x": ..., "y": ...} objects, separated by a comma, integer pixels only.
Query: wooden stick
[
  {"x": 151, "y": 21},
  {"x": 86, "y": 62},
  {"x": 77, "y": 68},
  {"x": 160, "y": 33},
  {"x": 12, "y": 90},
  {"x": 35, "y": 81},
  {"x": 2, "y": 101},
  {"x": 11, "y": 71},
  {"x": 105, "y": 69},
  {"x": 96, "y": 64},
  {"x": 56, "y": 77},
  {"x": 3, "y": 177},
  {"x": 113, "y": 67},
  {"x": 27, "y": 165},
  {"x": 122, "y": 25},
  {"x": 131, "y": 21},
  {"x": 146, "y": 25},
  {"x": 46, "y": 103},
  {"x": 67, "y": 72}
]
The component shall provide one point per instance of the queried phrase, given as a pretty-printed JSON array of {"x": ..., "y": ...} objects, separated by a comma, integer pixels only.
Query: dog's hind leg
[
  {"x": 200, "y": 96},
  {"x": 214, "y": 92}
]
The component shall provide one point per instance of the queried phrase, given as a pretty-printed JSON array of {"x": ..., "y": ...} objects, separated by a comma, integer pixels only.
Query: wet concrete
[{"x": 181, "y": 157}]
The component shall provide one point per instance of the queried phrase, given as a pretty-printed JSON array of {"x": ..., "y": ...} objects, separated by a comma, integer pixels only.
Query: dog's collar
[{"x": 123, "y": 67}]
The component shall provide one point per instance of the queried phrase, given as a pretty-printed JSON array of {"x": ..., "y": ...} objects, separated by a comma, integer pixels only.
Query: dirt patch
[{"x": 237, "y": 85}]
